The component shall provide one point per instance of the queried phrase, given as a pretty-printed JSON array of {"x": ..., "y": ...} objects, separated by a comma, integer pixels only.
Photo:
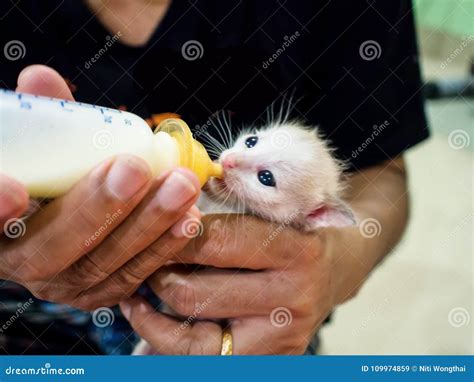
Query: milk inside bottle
[{"x": 48, "y": 144}]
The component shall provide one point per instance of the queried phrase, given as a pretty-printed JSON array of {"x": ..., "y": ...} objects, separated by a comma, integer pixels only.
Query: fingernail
[
  {"x": 126, "y": 309},
  {"x": 9, "y": 204},
  {"x": 126, "y": 177},
  {"x": 24, "y": 74},
  {"x": 189, "y": 225},
  {"x": 12, "y": 198},
  {"x": 174, "y": 192}
]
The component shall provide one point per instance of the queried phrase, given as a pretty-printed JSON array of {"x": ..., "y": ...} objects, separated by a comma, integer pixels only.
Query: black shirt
[{"x": 352, "y": 65}]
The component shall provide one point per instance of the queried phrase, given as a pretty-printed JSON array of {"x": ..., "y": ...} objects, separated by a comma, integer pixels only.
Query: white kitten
[{"x": 284, "y": 173}]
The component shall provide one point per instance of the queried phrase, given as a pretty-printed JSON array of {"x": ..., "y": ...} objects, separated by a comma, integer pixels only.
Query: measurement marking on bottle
[
  {"x": 29, "y": 101},
  {"x": 63, "y": 105},
  {"x": 25, "y": 105}
]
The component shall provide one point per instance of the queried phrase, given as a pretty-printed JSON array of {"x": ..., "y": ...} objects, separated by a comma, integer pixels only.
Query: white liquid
[{"x": 49, "y": 144}]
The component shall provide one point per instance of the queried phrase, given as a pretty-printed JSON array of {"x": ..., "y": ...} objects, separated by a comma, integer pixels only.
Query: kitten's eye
[
  {"x": 266, "y": 178},
  {"x": 251, "y": 141}
]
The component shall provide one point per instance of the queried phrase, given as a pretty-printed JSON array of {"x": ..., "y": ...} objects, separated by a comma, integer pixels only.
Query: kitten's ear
[{"x": 334, "y": 214}]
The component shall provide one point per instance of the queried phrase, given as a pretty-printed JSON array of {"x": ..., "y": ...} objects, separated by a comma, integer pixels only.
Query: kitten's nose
[{"x": 229, "y": 162}]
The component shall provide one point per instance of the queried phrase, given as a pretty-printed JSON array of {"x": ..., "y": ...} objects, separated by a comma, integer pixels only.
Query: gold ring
[{"x": 226, "y": 342}]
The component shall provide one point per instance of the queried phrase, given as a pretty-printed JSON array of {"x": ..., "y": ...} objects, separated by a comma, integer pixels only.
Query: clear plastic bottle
[{"x": 48, "y": 144}]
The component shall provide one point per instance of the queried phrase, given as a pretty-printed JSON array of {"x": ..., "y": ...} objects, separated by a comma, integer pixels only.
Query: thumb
[{"x": 43, "y": 80}]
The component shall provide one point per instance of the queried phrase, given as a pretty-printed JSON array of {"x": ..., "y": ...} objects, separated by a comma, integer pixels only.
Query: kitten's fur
[{"x": 308, "y": 179}]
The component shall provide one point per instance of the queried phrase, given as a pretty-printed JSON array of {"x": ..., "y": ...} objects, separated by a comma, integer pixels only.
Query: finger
[
  {"x": 168, "y": 199},
  {"x": 74, "y": 224},
  {"x": 184, "y": 289},
  {"x": 235, "y": 241},
  {"x": 43, "y": 80},
  {"x": 13, "y": 200},
  {"x": 126, "y": 280},
  {"x": 13, "y": 203},
  {"x": 251, "y": 336},
  {"x": 170, "y": 336}
]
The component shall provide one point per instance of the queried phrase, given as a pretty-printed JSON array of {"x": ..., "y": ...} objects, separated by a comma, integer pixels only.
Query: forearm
[{"x": 378, "y": 193}]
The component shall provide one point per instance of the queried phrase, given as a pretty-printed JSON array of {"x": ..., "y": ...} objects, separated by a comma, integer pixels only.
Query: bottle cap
[{"x": 192, "y": 154}]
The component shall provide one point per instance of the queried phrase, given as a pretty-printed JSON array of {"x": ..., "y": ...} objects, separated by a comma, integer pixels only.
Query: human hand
[
  {"x": 275, "y": 287},
  {"x": 95, "y": 245}
]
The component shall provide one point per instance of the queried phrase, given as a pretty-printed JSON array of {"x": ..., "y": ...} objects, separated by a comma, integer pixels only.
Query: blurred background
[{"x": 420, "y": 300}]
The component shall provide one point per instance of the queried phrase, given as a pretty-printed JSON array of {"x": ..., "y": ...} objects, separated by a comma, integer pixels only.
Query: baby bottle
[{"x": 48, "y": 144}]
